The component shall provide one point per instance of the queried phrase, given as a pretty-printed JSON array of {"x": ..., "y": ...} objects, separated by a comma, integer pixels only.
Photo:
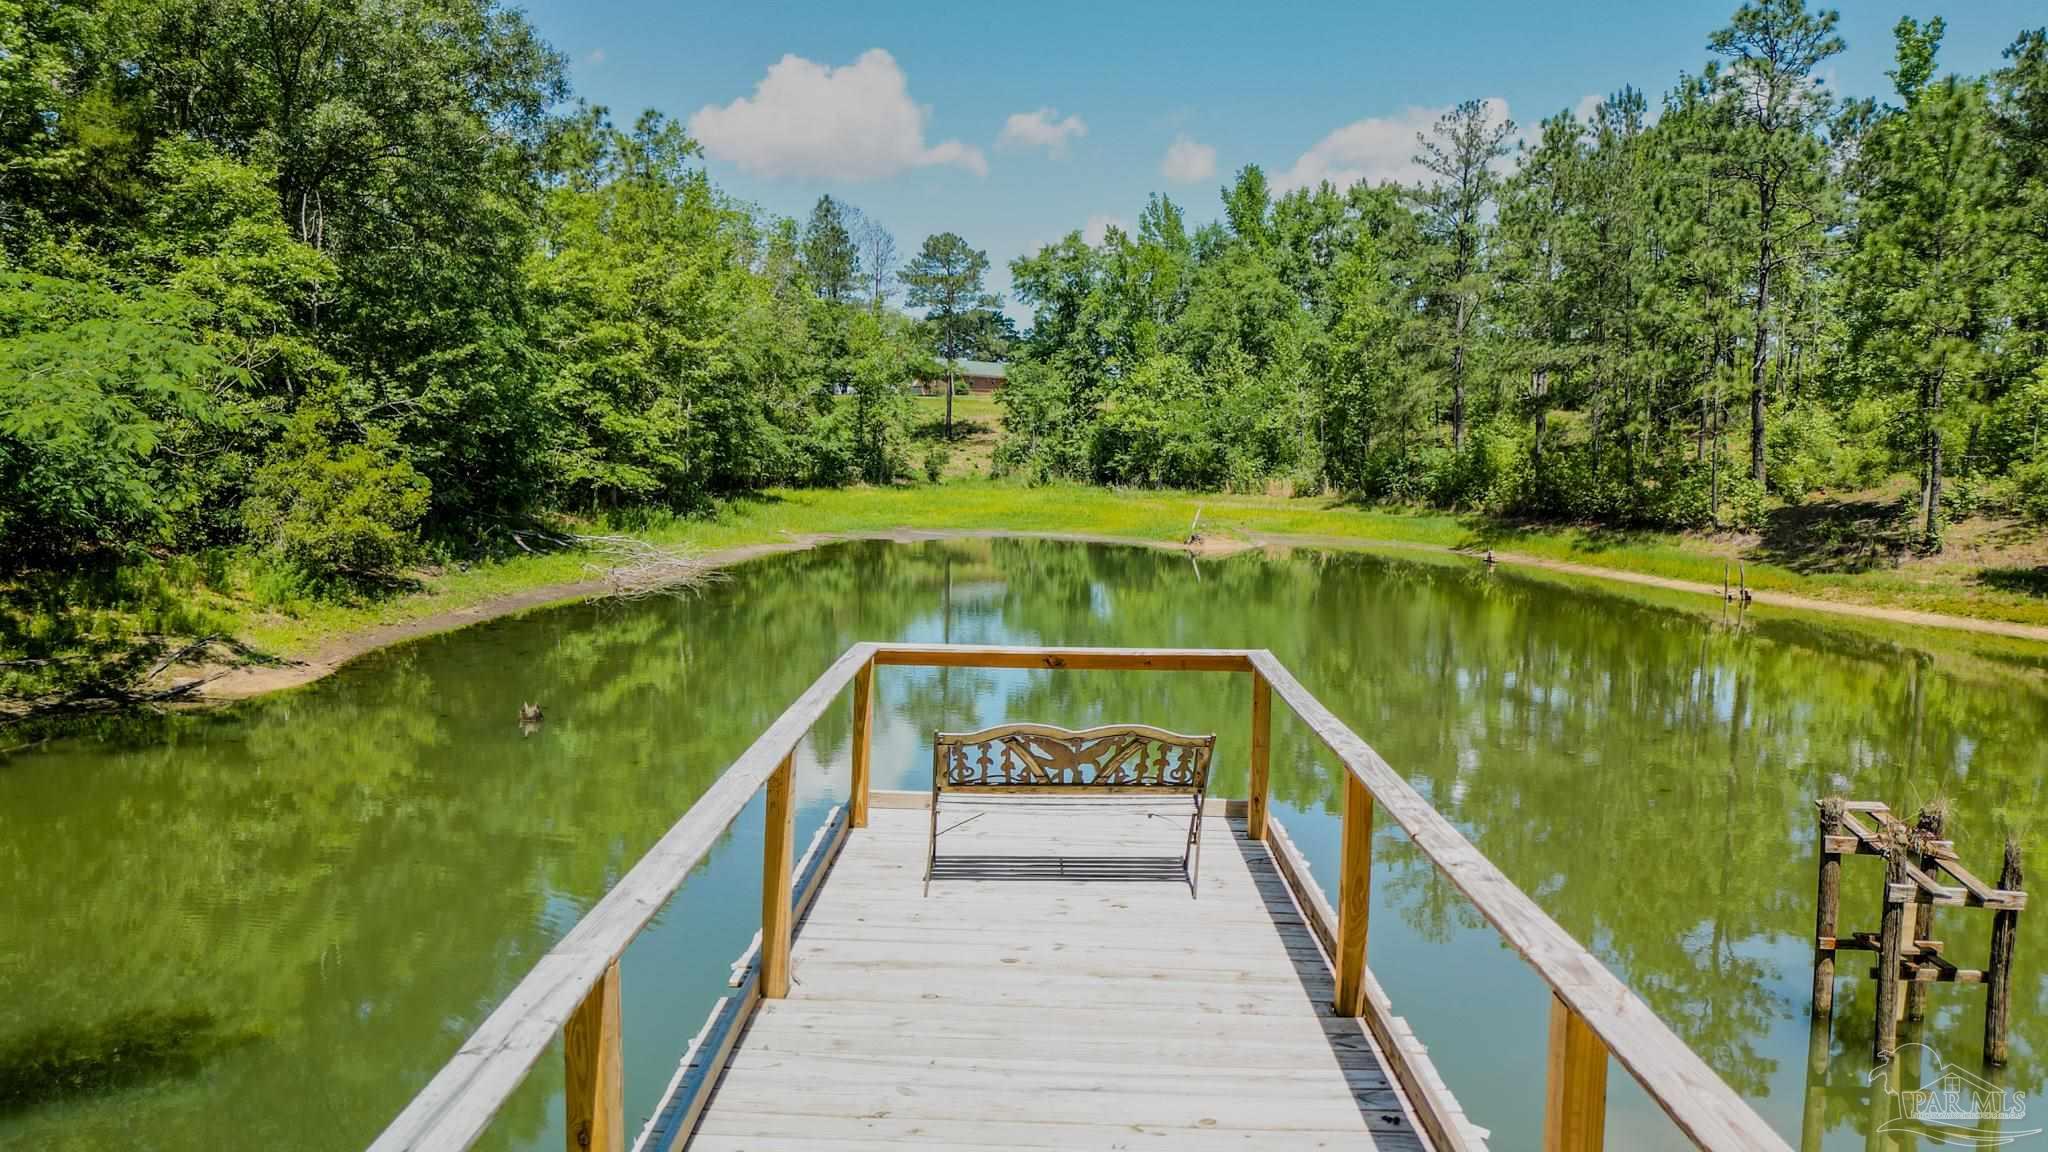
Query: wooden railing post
[
  {"x": 776, "y": 879},
  {"x": 594, "y": 1084},
  {"x": 863, "y": 737},
  {"x": 1575, "y": 1100},
  {"x": 1354, "y": 898},
  {"x": 1262, "y": 753}
]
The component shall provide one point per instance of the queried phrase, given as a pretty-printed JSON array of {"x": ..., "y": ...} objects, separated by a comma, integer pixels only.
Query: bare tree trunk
[
  {"x": 1930, "y": 447},
  {"x": 1757, "y": 361},
  {"x": 1458, "y": 380},
  {"x": 1593, "y": 430},
  {"x": 1714, "y": 506}
]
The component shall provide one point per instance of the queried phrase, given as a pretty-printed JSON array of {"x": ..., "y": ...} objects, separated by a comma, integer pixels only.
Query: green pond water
[{"x": 267, "y": 927}]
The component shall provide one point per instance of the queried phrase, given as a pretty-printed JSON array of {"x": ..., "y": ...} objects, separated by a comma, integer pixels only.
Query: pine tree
[
  {"x": 1926, "y": 250},
  {"x": 1773, "y": 102},
  {"x": 831, "y": 258},
  {"x": 1460, "y": 152},
  {"x": 945, "y": 279}
]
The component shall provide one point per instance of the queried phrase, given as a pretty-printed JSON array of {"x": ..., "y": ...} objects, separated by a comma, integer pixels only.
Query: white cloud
[
  {"x": 1375, "y": 149},
  {"x": 1188, "y": 161},
  {"x": 1098, "y": 226},
  {"x": 1041, "y": 129},
  {"x": 1587, "y": 105},
  {"x": 808, "y": 120},
  {"x": 596, "y": 56}
]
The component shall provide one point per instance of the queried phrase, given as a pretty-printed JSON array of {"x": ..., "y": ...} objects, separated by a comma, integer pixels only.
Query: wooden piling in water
[
  {"x": 1928, "y": 828},
  {"x": 1813, "y": 1112},
  {"x": 1921, "y": 873},
  {"x": 1891, "y": 943},
  {"x": 1998, "y": 973},
  {"x": 1827, "y": 909}
]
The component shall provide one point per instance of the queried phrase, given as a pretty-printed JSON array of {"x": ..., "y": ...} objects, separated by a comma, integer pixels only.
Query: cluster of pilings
[{"x": 1909, "y": 958}]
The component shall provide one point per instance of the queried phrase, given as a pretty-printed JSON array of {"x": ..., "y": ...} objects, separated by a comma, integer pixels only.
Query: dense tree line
[
  {"x": 327, "y": 281},
  {"x": 1754, "y": 292}
]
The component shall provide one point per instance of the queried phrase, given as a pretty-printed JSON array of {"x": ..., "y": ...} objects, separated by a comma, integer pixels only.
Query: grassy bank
[
  {"x": 968, "y": 505},
  {"x": 195, "y": 598}
]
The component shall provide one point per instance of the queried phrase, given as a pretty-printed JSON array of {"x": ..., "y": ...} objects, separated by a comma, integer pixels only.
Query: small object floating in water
[{"x": 529, "y": 718}]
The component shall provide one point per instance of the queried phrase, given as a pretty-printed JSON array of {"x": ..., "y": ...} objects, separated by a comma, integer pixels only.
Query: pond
[{"x": 280, "y": 919}]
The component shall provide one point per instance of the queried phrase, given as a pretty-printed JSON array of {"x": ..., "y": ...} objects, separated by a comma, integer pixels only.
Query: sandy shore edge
[{"x": 254, "y": 680}]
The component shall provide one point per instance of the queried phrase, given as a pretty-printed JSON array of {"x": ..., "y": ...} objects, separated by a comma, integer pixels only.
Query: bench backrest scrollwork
[{"x": 1041, "y": 759}]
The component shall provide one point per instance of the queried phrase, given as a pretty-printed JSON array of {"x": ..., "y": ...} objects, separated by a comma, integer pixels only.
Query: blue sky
[{"x": 902, "y": 109}]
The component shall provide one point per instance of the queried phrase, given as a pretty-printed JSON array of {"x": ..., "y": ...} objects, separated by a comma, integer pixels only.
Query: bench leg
[
  {"x": 931, "y": 848},
  {"x": 1191, "y": 860}
]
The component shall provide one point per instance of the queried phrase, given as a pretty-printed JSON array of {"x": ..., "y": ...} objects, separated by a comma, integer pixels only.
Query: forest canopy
[
  {"x": 332, "y": 286},
  {"x": 1663, "y": 314},
  {"x": 328, "y": 282}
]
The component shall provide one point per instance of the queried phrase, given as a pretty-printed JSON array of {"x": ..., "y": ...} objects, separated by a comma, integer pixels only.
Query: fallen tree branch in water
[{"x": 125, "y": 677}]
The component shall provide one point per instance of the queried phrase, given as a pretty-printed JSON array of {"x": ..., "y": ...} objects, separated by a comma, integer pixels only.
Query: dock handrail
[{"x": 575, "y": 989}]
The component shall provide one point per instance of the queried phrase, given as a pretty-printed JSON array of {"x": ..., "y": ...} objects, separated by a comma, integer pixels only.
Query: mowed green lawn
[{"x": 977, "y": 425}]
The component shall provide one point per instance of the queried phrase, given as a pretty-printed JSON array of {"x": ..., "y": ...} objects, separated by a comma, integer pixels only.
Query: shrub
[
  {"x": 1806, "y": 448},
  {"x": 960, "y": 388},
  {"x": 1962, "y": 496},
  {"x": 1742, "y": 501},
  {"x": 1046, "y": 432},
  {"x": 1489, "y": 473},
  {"x": 935, "y": 460},
  {"x": 1157, "y": 432},
  {"x": 347, "y": 512},
  {"x": 2030, "y": 490},
  {"x": 1404, "y": 473}
]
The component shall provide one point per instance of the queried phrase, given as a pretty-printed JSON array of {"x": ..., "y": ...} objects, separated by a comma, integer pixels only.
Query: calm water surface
[{"x": 279, "y": 920}]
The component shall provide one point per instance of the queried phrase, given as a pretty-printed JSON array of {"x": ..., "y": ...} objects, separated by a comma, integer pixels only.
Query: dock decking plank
[{"x": 1038, "y": 1012}]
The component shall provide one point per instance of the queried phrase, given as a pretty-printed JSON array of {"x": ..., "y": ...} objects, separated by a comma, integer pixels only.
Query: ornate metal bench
[{"x": 1043, "y": 760}]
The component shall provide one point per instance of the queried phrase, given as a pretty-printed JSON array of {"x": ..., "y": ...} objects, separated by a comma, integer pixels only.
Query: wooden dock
[
  {"x": 1019, "y": 1008},
  {"x": 1061, "y": 986}
]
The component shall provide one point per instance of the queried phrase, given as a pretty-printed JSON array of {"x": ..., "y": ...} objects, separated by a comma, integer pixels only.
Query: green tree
[
  {"x": 945, "y": 279},
  {"x": 831, "y": 256},
  {"x": 634, "y": 284},
  {"x": 337, "y": 510},
  {"x": 1460, "y": 154},
  {"x": 2020, "y": 379},
  {"x": 1927, "y": 249},
  {"x": 882, "y": 410},
  {"x": 95, "y": 378},
  {"x": 1773, "y": 104},
  {"x": 405, "y": 139},
  {"x": 1545, "y": 264}
]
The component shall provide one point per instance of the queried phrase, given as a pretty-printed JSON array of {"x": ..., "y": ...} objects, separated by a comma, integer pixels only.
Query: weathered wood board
[{"x": 1011, "y": 1010}]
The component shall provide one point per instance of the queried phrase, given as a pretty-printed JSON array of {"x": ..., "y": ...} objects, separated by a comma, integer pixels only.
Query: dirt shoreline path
[{"x": 243, "y": 683}]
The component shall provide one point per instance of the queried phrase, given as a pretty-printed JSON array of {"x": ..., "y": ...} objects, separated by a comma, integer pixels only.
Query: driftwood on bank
[{"x": 631, "y": 567}]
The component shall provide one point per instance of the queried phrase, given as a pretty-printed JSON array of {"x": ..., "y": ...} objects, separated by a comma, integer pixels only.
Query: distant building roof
[{"x": 981, "y": 368}]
